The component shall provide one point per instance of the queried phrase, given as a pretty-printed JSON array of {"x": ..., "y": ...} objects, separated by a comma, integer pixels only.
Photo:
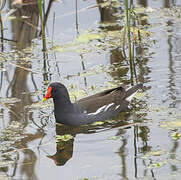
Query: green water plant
[
  {"x": 40, "y": 7},
  {"x": 130, "y": 25},
  {"x": 2, "y": 4}
]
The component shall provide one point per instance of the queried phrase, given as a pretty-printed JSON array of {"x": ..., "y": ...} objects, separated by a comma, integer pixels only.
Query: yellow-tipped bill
[
  {"x": 47, "y": 95},
  {"x": 44, "y": 99}
]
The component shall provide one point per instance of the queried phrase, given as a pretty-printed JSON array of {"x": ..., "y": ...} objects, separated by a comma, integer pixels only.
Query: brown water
[{"x": 143, "y": 143}]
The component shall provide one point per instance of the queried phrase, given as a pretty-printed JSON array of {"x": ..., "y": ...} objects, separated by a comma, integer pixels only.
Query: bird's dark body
[{"x": 99, "y": 107}]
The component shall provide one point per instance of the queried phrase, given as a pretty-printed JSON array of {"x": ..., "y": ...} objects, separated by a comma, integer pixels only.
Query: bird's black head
[{"x": 57, "y": 91}]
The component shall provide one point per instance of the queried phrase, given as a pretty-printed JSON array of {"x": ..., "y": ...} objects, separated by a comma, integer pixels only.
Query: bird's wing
[{"x": 93, "y": 103}]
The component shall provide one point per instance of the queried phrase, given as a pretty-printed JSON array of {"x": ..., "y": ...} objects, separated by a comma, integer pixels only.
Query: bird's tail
[{"x": 131, "y": 91}]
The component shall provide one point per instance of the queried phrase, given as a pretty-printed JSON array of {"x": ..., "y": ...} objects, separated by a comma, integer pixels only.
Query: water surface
[{"x": 143, "y": 143}]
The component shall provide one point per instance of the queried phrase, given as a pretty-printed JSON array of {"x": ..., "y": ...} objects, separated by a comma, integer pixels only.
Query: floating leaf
[
  {"x": 65, "y": 137},
  {"x": 84, "y": 43},
  {"x": 156, "y": 165},
  {"x": 176, "y": 135},
  {"x": 114, "y": 138},
  {"x": 111, "y": 3},
  {"x": 153, "y": 153},
  {"x": 84, "y": 179},
  {"x": 10, "y": 100},
  {"x": 142, "y": 32},
  {"x": 87, "y": 37},
  {"x": 39, "y": 105},
  {"x": 97, "y": 123},
  {"x": 2, "y": 59},
  {"x": 159, "y": 109},
  {"x": 139, "y": 10},
  {"x": 171, "y": 125},
  {"x": 107, "y": 24},
  {"x": 11, "y": 17},
  {"x": 139, "y": 95},
  {"x": 58, "y": 48},
  {"x": 11, "y": 134},
  {"x": 157, "y": 153}
]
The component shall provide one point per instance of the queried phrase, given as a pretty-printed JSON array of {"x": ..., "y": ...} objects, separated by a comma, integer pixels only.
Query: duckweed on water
[
  {"x": 98, "y": 123},
  {"x": 114, "y": 138},
  {"x": 171, "y": 125},
  {"x": 175, "y": 135},
  {"x": 39, "y": 105},
  {"x": 154, "y": 153},
  {"x": 65, "y": 137},
  {"x": 10, "y": 100}
]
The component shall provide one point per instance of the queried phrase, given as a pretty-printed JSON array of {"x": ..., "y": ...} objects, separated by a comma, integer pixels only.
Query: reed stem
[
  {"x": 2, "y": 33},
  {"x": 42, "y": 24},
  {"x": 128, "y": 17}
]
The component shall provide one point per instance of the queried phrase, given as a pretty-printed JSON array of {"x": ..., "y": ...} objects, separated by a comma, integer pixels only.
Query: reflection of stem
[
  {"x": 2, "y": 34},
  {"x": 33, "y": 81},
  {"x": 172, "y": 74},
  {"x": 15, "y": 164},
  {"x": 128, "y": 27},
  {"x": 134, "y": 67},
  {"x": 76, "y": 18},
  {"x": 1, "y": 82},
  {"x": 53, "y": 27},
  {"x": 58, "y": 69},
  {"x": 40, "y": 128},
  {"x": 83, "y": 66},
  {"x": 6, "y": 106},
  {"x": 124, "y": 35},
  {"x": 135, "y": 149},
  {"x": 85, "y": 81},
  {"x": 152, "y": 174},
  {"x": 133, "y": 43},
  {"x": 45, "y": 75},
  {"x": 131, "y": 71}
]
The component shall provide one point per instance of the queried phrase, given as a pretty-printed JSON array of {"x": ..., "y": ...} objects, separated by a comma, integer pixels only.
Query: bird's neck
[{"x": 62, "y": 105}]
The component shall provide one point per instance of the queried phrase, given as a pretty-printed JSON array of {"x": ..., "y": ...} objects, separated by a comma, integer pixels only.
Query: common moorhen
[{"x": 101, "y": 106}]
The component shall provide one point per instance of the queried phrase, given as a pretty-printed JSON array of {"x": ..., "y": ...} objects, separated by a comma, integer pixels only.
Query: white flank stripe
[
  {"x": 117, "y": 107},
  {"x": 131, "y": 97},
  {"x": 109, "y": 105},
  {"x": 129, "y": 88},
  {"x": 98, "y": 111},
  {"x": 105, "y": 108}
]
